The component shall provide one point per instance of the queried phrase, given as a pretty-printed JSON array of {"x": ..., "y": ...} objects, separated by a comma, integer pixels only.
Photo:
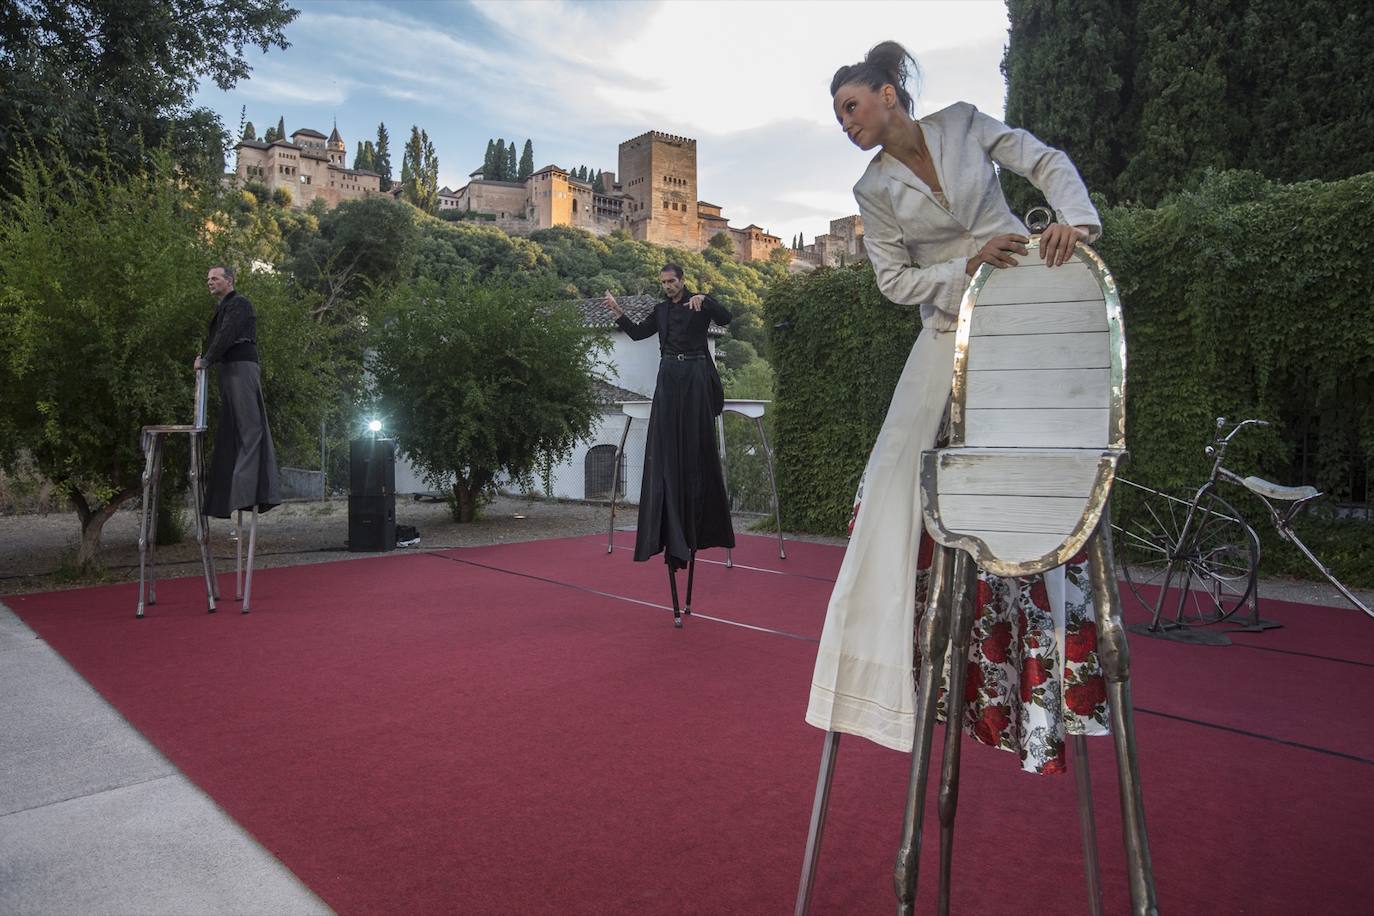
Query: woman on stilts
[
  {"x": 683, "y": 507},
  {"x": 933, "y": 213}
]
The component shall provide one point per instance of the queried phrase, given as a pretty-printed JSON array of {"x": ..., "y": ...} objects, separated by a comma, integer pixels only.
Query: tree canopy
[
  {"x": 1147, "y": 95},
  {"x": 102, "y": 310},
  {"x": 479, "y": 379},
  {"x": 88, "y": 80}
]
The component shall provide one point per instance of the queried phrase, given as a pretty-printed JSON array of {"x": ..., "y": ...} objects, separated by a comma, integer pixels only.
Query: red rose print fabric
[{"x": 1033, "y": 672}]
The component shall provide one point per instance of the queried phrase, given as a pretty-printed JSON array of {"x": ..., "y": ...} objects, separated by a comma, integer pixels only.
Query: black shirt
[
  {"x": 679, "y": 328},
  {"x": 233, "y": 332}
]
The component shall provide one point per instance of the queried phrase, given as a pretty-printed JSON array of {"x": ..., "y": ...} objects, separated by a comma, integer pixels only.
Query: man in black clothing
[
  {"x": 683, "y": 505},
  {"x": 243, "y": 466}
]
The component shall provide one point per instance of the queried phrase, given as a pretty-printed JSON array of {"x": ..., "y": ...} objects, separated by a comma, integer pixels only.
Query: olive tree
[
  {"x": 103, "y": 307},
  {"x": 477, "y": 380}
]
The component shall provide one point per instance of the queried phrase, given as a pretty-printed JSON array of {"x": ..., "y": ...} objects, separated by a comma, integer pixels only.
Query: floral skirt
[{"x": 1033, "y": 671}]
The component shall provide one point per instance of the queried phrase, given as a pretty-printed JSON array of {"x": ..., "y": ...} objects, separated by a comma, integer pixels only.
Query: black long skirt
[
  {"x": 682, "y": 501},
  {"x": 243, "y": 466}
]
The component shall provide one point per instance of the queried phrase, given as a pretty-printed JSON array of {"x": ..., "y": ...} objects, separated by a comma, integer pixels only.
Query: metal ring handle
[{"x": 1039, "y": 225}]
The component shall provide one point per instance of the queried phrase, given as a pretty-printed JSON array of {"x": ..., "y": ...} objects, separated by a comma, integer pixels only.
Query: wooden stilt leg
[
  {"x": 143, "y": 521},
  {"x": 1087, "y": 826},
  {"x": 965, "y": 576},
  {"x": 202, "y": 537},
  {"x": 672, "y": 586},
  {"x": 615, "y": 484},
  {"x": 818, "y": 812},
  {"x": 252, "y": 545},
  {"x": 691, "y": 574},
  {"x": 238, "y": 555},
  {"x": 934, "y": 640},
  {"x": 1116, "y": 664}
]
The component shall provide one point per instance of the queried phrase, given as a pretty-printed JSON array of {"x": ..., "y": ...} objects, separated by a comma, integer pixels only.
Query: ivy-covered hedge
[
  {"x": 837, "y": 347},
  {"x": 1242, "y": 299}
]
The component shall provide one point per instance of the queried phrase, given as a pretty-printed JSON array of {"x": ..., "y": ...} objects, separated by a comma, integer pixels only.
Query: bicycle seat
[{"x": 1274, "y": 491}]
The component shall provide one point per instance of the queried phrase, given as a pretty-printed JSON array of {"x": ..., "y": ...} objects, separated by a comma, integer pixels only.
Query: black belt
[{"x": 682, "y": 356}]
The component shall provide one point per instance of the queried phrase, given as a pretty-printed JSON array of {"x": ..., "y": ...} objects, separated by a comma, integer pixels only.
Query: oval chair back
[{"x": 1037, "y": 415}]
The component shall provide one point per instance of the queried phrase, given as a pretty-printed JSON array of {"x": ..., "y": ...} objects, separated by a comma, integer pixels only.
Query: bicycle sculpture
[{"x": 1192, "y": 555}]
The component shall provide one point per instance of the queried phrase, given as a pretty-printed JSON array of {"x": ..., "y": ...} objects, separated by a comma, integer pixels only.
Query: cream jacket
[{"x": 918, "y": 248}]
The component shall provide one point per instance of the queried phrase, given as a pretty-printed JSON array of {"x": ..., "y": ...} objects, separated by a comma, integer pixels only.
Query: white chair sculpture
[
  {"x": 151, "y": 441},
  {"x": 753, "y": 410},
  {"x": 1038, "y": 427}
]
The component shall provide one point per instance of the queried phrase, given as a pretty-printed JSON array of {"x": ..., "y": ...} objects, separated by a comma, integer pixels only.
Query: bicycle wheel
[{"x": 1190, "y": 579}]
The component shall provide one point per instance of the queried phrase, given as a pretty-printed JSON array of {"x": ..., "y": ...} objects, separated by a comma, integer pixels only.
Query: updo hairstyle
[{"x": 887, "y": 62}]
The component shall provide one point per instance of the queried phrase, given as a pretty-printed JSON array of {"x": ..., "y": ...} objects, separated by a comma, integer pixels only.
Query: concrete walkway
[{"x": 93, "y": 820}]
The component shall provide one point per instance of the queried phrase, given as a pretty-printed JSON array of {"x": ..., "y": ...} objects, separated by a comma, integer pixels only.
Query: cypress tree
[
  {"x": 512, "y": 166},
  {"x": 526, "y": 162},
  {"x": 249, "y": 132},
  {"x": 489, "y": 169},
  {"x": 358, "y": 157},
  {"x": 498, "y": 162},
  {"x": 281, "y": 127},
  {"x": 381, "y": 157}
]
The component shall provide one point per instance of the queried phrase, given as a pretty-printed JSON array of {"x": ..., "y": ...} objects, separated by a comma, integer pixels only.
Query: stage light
[{"x": 374, "y": 426}]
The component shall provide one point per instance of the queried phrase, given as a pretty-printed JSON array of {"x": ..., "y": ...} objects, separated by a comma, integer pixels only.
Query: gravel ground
[{"x": 36, "y": 550}]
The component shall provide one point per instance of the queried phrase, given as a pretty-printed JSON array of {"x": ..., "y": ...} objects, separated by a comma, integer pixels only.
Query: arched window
[{"x": 599, "y": 468}]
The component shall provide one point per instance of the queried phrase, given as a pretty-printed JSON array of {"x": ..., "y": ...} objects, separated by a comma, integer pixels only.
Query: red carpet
[{"x": 500, "y": 730}]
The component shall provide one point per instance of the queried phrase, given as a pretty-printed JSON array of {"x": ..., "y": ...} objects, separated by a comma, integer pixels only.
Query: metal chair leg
[
  {"x": 773, "y": 482},
  {"x": 152, "y": 522},
  {"x": 965, "y": 576},
  {"x": 202, "y": 541},
  {"x": 238, "y": 555},
  {"x": 1087, "y": 826},
  {"x": 1116, "y": 664},
  {"x": 615, "y": 484},
  {"x": 725, "y": 476},
  {"x": 252, "y": 545},
  {"x": 819, "y": 807},
  {"x": 143, "y": 521},
  {"x": 934, "y": 631}
]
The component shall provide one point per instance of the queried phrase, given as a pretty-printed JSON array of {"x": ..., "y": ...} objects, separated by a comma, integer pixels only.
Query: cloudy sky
[{"x": 747, "y": 80}]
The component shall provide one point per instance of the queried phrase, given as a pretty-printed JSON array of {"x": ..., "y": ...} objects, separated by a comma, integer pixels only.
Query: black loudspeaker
[
  {"x": 372, "y": 523},
  {"x": 372, "y": 467}
]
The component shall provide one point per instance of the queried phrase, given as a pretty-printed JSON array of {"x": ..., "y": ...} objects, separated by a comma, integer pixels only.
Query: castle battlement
[{"x": 661, "y": 137}]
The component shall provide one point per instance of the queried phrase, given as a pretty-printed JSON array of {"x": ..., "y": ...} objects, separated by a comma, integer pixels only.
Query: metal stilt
[
  {"x": 818, "y": 811},
  {"x": 691, "y": 574}
]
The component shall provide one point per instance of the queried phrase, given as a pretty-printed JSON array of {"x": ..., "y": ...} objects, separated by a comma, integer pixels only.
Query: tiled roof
[
  {"x": 606, "y": 393},
  {"x": 596, "y": 315},
  {"x": 308, "y": 132}
]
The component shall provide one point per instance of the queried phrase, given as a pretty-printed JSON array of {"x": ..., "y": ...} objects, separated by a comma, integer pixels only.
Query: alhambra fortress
[{"x": 652, "y": 195}]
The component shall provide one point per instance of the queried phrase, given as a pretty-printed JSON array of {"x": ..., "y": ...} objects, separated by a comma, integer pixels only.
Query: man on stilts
[{"x": 683, "y": 506}]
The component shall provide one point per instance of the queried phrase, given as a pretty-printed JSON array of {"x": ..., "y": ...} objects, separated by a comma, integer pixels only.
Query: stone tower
[
  {"x": 659, "y": 173},
  {"x": 338, "y": 153}
]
